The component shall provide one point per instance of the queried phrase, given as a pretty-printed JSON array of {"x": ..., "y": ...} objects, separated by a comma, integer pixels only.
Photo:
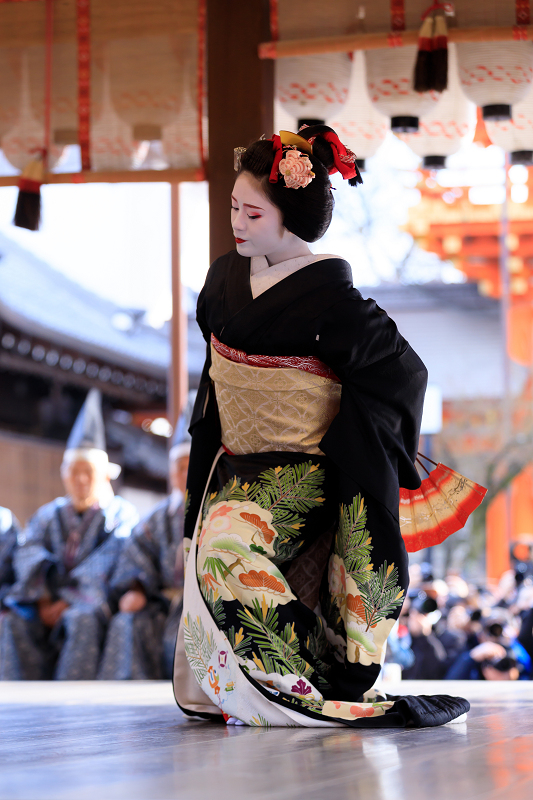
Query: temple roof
[{"x": 42, "y": 302}]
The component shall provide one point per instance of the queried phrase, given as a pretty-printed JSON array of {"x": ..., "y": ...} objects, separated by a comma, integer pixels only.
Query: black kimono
[{"x": 296, "y": 461}]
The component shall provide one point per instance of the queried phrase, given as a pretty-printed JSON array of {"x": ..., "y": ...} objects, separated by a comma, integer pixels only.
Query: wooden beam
[
  {"x": 123, "y": 176},
  {"x": 240, "y": 100},
  {"x": 67, "y": 377},
  {"x": 375, "y": 41},
  {"x": 178, "y": 379}
]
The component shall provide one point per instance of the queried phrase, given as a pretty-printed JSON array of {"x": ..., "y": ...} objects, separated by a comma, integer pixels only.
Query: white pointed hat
[{"x": 87, "y": 437}]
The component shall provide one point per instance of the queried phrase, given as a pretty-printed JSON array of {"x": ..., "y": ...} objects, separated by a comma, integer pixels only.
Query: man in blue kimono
[
  {"x": 141, "y": 638},
  {"x": 60, "y": 603}
]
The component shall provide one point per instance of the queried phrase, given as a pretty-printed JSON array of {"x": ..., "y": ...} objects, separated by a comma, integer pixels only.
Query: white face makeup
[{"x": 257, "y": 224}]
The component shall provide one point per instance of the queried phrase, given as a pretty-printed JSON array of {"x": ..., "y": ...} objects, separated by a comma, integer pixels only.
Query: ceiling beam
[{"x": 289, "y": 48}]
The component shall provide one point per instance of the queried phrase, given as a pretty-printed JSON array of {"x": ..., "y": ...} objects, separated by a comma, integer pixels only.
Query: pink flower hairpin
[{"x": 296, "y": 169}]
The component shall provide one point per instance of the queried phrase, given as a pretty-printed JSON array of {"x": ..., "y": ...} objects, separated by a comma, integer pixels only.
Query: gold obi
[{"x": 266, "y": 409}]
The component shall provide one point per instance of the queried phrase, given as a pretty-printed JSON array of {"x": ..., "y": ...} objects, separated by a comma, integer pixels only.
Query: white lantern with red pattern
[
  {"x": 26, "y": 138},
  {"x": 313, "y": 88},
  {"x": 360, "y": 126},
  {"x": 390, "y": 87},
  {"x": 146, "y": 80},
  {"x": 180, "y": 140},
  {"x": 112, "y": 143},
  {"x": 447, "y": 126},
  {"x": 516, "y": 135},
  {"x": 495, "y": 75}
]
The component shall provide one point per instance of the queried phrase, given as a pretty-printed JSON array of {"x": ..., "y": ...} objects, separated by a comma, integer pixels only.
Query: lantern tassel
[
  {"x": 439, "y": 53},
  {"x": 357, "y": 179},
  {"x": 423, "y": 77},
  {"x": 28, "y": 209},
  {"x": 431, "y": 68}
]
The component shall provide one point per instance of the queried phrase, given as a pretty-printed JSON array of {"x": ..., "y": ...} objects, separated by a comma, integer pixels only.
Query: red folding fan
[{"x": 440, "y": 507}]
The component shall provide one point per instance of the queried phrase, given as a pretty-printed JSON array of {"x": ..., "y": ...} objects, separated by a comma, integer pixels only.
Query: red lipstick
[{"x": 240, "y": 241}]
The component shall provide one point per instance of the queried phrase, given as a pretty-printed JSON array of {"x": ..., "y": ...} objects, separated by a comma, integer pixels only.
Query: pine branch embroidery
[
  {"x": 381, "y": 594},
  {"x": 353, "y": 543},
  {"x": 279, "y": 652},
  {"x": 380, "y": 591},
  {"x": 199, "y": 646}
]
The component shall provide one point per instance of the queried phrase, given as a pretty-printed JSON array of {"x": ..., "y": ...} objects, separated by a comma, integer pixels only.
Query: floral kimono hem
[{"x": 255, "y": 652}]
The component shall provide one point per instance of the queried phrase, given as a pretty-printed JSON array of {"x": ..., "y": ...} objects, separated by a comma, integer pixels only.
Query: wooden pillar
[
  {"x": 178, "y": 383},
  {"x": 240, "y": 100},
  {"x": 498, "y": 538}
]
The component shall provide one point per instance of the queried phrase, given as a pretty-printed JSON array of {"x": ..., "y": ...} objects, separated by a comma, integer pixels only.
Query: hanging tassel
[
  {"x": 431, "y": 68},
  {"x": 439, "y": 52},
  {"x": 423, "y": 78},
  {"x": 28, "y": 210},
  {"x": 357, "y": 179}
]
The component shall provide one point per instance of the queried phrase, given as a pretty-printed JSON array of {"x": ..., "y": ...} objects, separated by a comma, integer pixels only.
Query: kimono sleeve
[
  {"x": 205, "y": 421},
  {"x": 374, "y": 438},
  {"x": 33, "y": 558},
  {"x": 139, "y": 561}
]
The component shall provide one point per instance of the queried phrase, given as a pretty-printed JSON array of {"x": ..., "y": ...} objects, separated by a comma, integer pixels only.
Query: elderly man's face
[
  {"x": 178, "y": 473},
  {"x": 82, "y": 481},
  {"x": 490, "y": 673}
]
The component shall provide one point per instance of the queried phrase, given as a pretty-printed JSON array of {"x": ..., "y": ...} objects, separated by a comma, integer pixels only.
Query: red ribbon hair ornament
[
  {"x": 343, "y": 159},
  {"x": 278, "y": 155}
]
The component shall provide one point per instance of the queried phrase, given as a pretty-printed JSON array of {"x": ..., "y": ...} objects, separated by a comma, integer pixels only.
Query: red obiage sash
[{"x": 304, "y": 363}]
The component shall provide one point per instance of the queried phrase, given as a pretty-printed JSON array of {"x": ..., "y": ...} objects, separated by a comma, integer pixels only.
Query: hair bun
[
  {"x": 321, "y": 148},
  {"x": 332, "y": 153}
]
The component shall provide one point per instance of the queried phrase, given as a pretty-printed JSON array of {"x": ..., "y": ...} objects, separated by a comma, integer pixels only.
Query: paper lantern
[
  {"x": 64, "y": 90},
  {"x": 447, "y": 126},
  {"x": 26, "y": 137},
  {"x": 112, "y": 143},
  {"x": 516, "y": 135},
  {"x": 495, "y": 75},
  {"x": 390, "y": 87},
  {"x": 313, "y": 88},
  {"x": 360, "y": 126},
  {"x": 146, "y": 82},
  {"x": 180, "y": 139}
]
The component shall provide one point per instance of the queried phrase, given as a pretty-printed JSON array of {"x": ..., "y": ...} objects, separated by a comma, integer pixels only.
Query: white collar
[{"x": 263, "y": 276}]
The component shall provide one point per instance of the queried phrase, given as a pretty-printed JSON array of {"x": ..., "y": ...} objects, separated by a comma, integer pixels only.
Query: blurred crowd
[{"x": 450, "y": 629}]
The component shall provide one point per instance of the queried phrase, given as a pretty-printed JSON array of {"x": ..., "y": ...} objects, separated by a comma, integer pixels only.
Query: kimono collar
[{"x": 263, "y": 276}]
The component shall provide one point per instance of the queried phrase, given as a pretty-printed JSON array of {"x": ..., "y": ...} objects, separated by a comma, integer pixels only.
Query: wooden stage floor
[{"x": 129, "y": 741}]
